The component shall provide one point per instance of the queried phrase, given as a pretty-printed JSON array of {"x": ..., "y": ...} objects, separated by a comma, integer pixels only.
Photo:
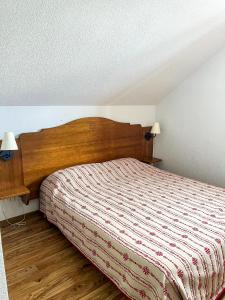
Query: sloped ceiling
[{"x": 82, "y": 52}]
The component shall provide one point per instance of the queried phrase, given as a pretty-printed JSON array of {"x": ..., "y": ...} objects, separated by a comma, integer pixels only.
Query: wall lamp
[
  {"x": 8, "y": 145},
  {"x": 153, "y": 132}
]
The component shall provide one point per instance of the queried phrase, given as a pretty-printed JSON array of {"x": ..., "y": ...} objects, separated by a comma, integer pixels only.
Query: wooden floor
[{"x": 41, "y": 264}]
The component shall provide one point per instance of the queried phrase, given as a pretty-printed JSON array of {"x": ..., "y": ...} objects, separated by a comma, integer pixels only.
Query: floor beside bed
[{"x": 41, "y": 264}]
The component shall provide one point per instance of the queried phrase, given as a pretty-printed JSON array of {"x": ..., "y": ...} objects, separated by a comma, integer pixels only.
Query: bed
[{"x": 156, "y": 235}]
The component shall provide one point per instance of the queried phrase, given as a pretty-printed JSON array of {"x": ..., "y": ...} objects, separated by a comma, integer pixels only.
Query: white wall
[
  {"x": 192, "y": 117},
  {"x": 21, "y": 119}
]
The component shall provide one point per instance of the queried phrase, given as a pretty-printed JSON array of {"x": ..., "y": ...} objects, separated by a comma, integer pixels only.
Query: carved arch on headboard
[{"x": 81, "y": 141}]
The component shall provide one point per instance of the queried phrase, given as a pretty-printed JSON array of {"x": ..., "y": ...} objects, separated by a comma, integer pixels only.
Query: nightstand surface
[
  {"x": 13, "y": 192},
  {"x": 152, "y": 161}
]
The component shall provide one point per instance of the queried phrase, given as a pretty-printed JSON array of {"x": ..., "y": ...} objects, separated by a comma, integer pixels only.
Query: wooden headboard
[{"x": 81, "y": 141}]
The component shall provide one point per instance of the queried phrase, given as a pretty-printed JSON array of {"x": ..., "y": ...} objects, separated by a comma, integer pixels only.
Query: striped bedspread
[{"x": 156, "y": 235}]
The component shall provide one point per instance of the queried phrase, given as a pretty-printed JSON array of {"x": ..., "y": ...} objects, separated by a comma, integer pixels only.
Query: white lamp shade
[
  {"x": 9, "y": 142},
  {"x": 155, "y": 128}
]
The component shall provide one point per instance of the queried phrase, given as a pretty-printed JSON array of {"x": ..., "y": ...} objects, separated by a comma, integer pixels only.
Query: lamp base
[
  {"x": 5, "y": 155},
  {"x": 149, "y": 135}
]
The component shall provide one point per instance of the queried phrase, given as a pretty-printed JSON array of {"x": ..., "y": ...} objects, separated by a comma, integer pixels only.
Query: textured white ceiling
[{"x": 70, "y": 52}]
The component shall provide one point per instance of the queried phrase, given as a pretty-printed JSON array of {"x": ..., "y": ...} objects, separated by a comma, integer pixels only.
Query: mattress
[{"x": 156, "y": 235}]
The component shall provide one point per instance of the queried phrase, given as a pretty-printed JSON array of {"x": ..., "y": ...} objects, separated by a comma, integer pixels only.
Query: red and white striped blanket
[{"x": 156, "y": 235}]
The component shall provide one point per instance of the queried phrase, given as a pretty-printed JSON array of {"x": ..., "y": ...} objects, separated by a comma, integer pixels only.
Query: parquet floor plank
[{"x": 42, "y": 264}]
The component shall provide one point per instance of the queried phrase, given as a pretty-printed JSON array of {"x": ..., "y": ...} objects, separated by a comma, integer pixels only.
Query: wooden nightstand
[
  {"x": 152, "y": 161},
  {"x": 20, "y": 191}
]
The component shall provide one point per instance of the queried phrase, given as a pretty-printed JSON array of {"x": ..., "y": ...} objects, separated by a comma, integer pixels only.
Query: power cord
[{"x": 19, "y": 223}]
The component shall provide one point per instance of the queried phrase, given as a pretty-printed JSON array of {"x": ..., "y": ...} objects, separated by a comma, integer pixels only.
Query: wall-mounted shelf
[
  {"x": 152, "y": 160},
  {"x": 20, "y": 191}
]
